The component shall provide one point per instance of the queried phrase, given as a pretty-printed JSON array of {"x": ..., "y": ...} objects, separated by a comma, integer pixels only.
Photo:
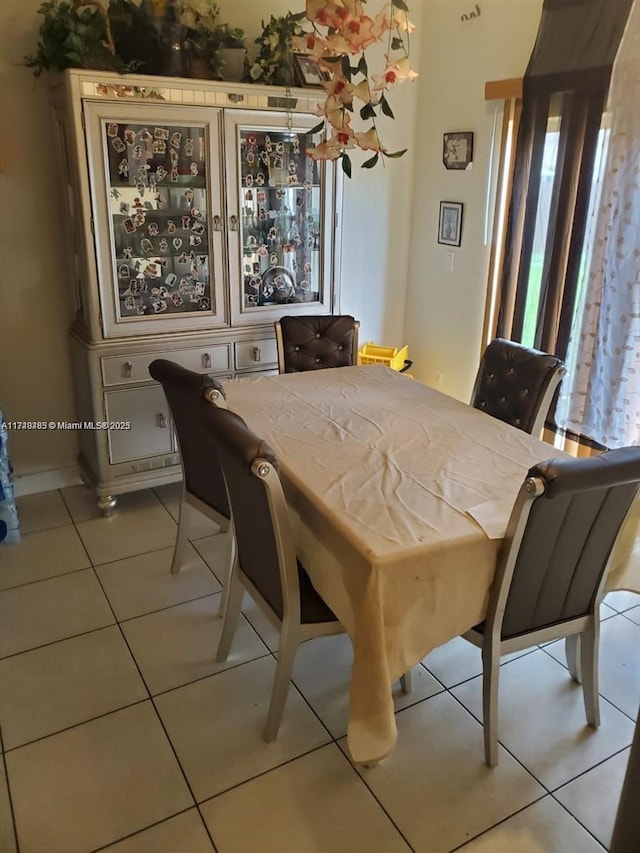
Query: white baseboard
[{"x": 46, "y": 481}]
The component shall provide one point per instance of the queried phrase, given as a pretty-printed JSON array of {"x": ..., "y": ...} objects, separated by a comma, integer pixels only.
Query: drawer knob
[
  {"x": 257, "y": 354},
  {"x": 233, "y": 223},
  {"x": 161, "y": 420},
  {"x": 217, "y": 223},
  {"x": 206, "y": 359},
  {"x": 127, "y": 368}
]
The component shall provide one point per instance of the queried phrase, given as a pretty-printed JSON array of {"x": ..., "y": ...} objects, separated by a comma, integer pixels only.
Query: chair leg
[
  {"x": 226, "y": 581},
  {"x": 490, "y": 678},
  {"x": 289, "y": 642},
  {"x": 406, "y": 682},
  {"x": 181, "y": 538},
  {"x": 231, "y": 616},
  {"x": 589, "y": 644},
  {"x": 572, "y": 651}
]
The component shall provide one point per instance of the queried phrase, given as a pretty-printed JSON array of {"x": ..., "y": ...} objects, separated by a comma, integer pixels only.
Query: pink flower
[
  {"x": 333, "y": 13},
  {"x": 333, "y": 147},
  {"x": 340, "y": 89},
  {"x": 369, "y": 141},
  {"x": 364, "y": 93},
  {"x": 330, "y": 149},
  {"x": 334, "y": 111},
  {"x": 394, "y": 72},
  {"x": 361, "y": 32},
  {"x": 391, "y": 18},
  {"x": 345, "y": 138},
  {"x": 337, "y": 43},
  {"x": 309, "y": 43},
  {"x": 326, "y": 13}
]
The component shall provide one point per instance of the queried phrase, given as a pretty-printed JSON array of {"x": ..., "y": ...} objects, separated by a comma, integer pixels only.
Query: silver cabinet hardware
[
  {"x": 257, "y": 354},
  {"x": 233, "y": 222},
  {"x": 161, "y": 420},
  {"x": 206, "y": 360},
  {"x": 127, "y": 367}
]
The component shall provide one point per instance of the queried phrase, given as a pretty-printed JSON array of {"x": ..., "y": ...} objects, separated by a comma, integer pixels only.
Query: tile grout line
[
  {"x": 151, "y": 826},
  {"x": 59, "y": 640},
  {"x": 12, "y": 815},
  {"x": 359, "y": 775},
  {"x": 74, "y": 726},
  {"x": 600, "y": 693},
  {"x": 500, "y": 743},
  {"x": 266, "y": 772},
  {"x": 577, "y": 819},
  {"x": 499, "y": 823},
  {"x": 554, "y": 791}
]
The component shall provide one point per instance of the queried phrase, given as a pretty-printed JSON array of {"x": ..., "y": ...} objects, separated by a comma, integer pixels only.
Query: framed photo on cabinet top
[
  {"x": 457, "y": 150},
  {"x": 450, "y": 224},
  {"x": 308, "y": 71}
]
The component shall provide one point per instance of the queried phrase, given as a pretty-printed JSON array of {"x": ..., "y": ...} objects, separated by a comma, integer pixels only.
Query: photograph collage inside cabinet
[
  {"x": 158, "y": 205},
  {"x": 280, "y": 223}
]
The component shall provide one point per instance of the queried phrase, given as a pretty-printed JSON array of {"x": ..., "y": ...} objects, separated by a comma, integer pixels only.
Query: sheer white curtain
[{"x": 600, "y": 396}]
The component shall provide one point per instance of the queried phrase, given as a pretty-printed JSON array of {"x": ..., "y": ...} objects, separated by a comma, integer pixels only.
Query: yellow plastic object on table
[{"x": 392, "y": 357}]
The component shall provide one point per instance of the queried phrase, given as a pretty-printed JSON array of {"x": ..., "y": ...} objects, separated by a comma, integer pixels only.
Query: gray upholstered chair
[
  {"x": 316, "y": 341},
  {"x": 268, "y": 567},
  {"x": 516, "y": 384},
  {"x": 203, "y": 485},
  {"x": 551, "y": 571}
]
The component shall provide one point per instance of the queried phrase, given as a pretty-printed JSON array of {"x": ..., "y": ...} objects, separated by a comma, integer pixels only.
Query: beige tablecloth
[{"x": 383, "y": 476}]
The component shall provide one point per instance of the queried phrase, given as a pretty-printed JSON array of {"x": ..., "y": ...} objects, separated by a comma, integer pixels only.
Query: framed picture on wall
[
  {"x": 450, "y": 224},
  {"x": 457, "y": 150}
]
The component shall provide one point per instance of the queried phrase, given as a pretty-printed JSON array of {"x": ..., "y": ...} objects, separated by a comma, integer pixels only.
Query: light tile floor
[{"x": 119, "y": 731}]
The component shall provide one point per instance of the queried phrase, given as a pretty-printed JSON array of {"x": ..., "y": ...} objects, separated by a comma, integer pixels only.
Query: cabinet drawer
[
  {"x": 122, "y": 369},
  {"x": 251, "y": 355}
]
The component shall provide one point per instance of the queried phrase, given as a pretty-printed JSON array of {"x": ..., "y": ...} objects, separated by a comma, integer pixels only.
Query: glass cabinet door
[
  {"x": 157, "y": 205},
  {"x": 279, "y": 205}
]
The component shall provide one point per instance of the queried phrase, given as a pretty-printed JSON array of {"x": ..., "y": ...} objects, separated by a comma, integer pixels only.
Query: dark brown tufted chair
[
  {"x": 316, "y": 341},
  {"x": 202, "y": 482},
  {"x": 516, "y": 384},
  {"x": 551, "y": 571}
]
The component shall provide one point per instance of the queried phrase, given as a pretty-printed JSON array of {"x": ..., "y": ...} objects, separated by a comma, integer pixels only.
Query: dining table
[{"x": 399, "y": 497}]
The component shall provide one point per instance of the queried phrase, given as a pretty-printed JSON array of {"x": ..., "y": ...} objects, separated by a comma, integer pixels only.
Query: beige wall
[
  {"x": 35, "y": 380},
  {"x": 444, "y": 312}
]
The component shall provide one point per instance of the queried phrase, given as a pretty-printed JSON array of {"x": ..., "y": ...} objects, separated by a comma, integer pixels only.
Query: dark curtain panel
[
  {"x": 564, "y": 91},
  {"x": 576, "y": 44}
]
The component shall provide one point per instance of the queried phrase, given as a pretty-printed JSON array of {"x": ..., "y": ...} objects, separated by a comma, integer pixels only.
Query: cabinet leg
[{"x": 106, "y": 505}]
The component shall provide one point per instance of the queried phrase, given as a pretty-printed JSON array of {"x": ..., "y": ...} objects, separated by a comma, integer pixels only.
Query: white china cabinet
[{"x": 195, "y": 219}]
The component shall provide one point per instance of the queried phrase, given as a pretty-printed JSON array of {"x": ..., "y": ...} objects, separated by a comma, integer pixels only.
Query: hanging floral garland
[{"x": 341, "y": 34}]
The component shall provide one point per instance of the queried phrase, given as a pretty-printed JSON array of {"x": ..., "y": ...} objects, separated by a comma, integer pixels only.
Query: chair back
[
  {"x": 266, "y": 553},
  {"x": 560, "y": 535},
  {"x": 516, "y": 384},
  {"x": 185, "y": 390},
  {"x": 316, "y": 341}
]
